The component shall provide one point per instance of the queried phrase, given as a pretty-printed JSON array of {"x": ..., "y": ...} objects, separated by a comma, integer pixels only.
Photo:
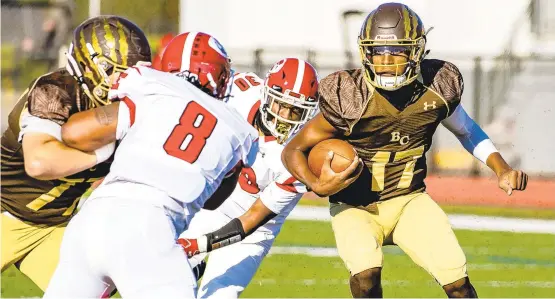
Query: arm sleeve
[
  {"x": 125, "y": 90},
  {"x": 277, "y": 198},
  {"x": 469, "y": 133},
  {"x": 124, "y": 118},
  {"x": 30, "y": 123},
  {"x": 284, "y": 191}
]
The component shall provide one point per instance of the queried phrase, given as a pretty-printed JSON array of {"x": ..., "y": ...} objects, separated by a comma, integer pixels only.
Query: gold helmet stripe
[
  {"x": 85, "y": 57},
  {"x": 123, "y": 43},
  {"x": 88, "y": 35},
  {"x": 406, "y": 19},
  {"x": 77, "y": 49},
  {"x": 94, "y": 39},
  {"x": 117, "y": 37},
  {"x": 414, "y": 26},
  {"x": 110, "y": 40},
  {"x": 369, "y": 25}
]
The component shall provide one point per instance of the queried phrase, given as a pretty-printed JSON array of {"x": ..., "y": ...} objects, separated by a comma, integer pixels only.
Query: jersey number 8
[{"x": 188, "y": 138}]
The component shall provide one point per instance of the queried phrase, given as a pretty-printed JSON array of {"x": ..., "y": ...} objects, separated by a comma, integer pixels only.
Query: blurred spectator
[{"x": 55, "y": 30}]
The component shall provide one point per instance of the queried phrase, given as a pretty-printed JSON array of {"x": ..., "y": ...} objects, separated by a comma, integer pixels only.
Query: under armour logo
[{"x": 432, "y": 105}]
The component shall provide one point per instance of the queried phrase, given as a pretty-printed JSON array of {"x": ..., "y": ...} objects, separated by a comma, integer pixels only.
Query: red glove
[{"x": 190, "y": 246}]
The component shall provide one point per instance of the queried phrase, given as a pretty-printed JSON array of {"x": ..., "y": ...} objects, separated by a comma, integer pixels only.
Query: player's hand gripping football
[
  {"x": 512, "y": 180},
  {"x": 331, "y": 182}
]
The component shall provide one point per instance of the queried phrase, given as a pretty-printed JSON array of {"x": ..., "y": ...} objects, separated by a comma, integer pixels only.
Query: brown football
[{"x": 344, "y": 153}]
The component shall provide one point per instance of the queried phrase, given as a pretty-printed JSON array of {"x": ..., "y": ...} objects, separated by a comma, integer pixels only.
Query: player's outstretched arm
[
  {"x": 92, "y": 129},
  {"x": 295, "y": 153},
  {"x": 256, "y": 216},
  {"x": 235, "y": 231},
  {"x": 477, "y": 142}
]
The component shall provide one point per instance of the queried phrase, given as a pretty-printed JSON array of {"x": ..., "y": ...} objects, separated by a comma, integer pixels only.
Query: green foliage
[{"x": 152, "y": 16}]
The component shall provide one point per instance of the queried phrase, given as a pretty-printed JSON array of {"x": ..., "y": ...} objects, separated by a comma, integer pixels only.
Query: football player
[
  {"x": 266, "y": 192},
  {"x": 388, "y": 110},
  {"x": 178, "y": 141},
  {"x": 43, "y": 178}
]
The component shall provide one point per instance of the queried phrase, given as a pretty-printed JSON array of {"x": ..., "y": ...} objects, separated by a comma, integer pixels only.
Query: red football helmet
[
  {"x": 291, "y": 83},
  {"x": 200, "y": 59}
]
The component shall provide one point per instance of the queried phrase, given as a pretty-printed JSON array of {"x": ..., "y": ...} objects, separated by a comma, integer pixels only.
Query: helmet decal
[
  {"x": 277, "y": 67},
  {"x": 215, "y": 44},
  {"x": 200, "y": 59}
]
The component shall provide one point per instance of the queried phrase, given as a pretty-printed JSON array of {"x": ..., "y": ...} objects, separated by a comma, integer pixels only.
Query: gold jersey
[
  {"x": 54, "y": 96},
  {"x": 391, "y": 130}
]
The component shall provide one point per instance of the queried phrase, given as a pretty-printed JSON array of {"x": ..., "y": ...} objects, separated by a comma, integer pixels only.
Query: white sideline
[
  {"x": 458, "y": 221},
  {"x": 404, "y": 283},
  {"x": 319, "y": 251}
]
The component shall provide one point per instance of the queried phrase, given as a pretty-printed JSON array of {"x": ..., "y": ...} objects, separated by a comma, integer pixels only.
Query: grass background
[{"x": 500, "y": 264}]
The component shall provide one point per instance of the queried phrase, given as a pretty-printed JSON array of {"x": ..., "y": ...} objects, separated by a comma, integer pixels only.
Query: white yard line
[
  {"x": 459, "y": 221},
  {"x": 332, "y": 252},
  {"x": 311, "y": 251},
  {"x": 403, "y": 283}
]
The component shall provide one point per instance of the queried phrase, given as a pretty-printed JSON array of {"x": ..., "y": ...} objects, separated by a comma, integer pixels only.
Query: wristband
[
  {"x": 230, "y": 233},
  {"x": 105, "y": 152}
]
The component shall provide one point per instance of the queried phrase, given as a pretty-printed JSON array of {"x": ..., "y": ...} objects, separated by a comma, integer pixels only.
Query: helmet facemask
[
  {"x": 94, "y": 81},
  {"x": 400, "y": 74},
  {"x": 301, "y": 110}
]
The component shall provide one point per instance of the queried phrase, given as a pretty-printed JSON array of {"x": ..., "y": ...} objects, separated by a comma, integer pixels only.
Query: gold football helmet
[
  {"x": 100, "y": 47},
  {"x": 392, "y": 29}
]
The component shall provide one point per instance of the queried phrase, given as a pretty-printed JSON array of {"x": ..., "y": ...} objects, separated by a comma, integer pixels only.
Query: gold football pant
[
  {"x": 413, "y": 222},
  {"x": 33, "y": 248}
]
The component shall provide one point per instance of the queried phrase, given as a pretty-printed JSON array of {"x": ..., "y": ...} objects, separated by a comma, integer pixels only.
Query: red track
[
  {"x": 539, "y": 194},
  {"x": 484, "y": 192}
]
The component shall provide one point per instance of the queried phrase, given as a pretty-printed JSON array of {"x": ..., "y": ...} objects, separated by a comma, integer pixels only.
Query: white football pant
[
  {"x": 123, "y": 243},
  {"x": 229, "y": 269}
]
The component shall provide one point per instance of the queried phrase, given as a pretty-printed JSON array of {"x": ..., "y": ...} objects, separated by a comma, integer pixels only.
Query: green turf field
[
  {"x": 304, "y": 264},
  {"x": 500, "y": 265},
  {"x": 473, "y": 210}
]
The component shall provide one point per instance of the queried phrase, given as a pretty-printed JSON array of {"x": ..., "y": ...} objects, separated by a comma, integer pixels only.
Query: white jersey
[
  {"x": 175, "y": 139},
  {"x": 267, "y": 179}
]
